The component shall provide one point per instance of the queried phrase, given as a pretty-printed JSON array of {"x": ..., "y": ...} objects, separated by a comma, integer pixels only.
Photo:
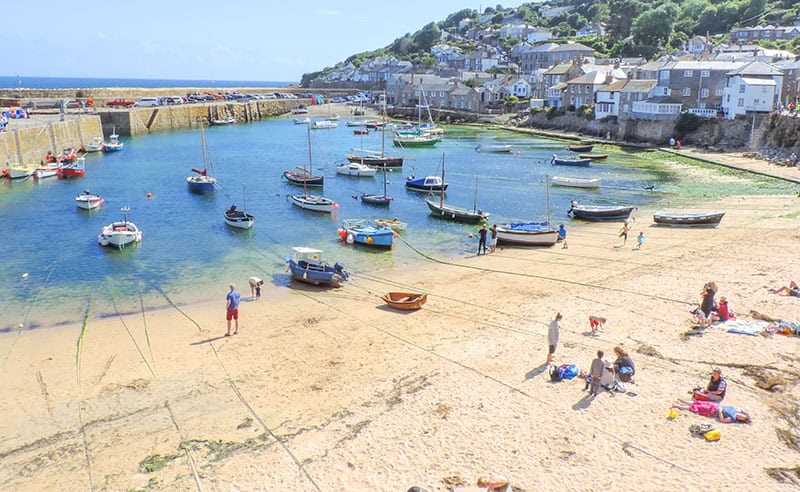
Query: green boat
[{"x": 422, "y": 140}]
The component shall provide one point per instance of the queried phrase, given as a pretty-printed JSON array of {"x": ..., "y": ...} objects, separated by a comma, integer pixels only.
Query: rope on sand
[
  {"x": 189, "y": 456},
  {"x": 78, "y": 352}
]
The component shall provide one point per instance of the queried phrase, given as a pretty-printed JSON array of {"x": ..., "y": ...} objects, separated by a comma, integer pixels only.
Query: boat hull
[
  {"x": 494, "y": 149},
  {"x": 571, "y": 162},
  {"x": 380, "y": 200},
  {"x": 19, "y": 172},
  {"x": 527, "y": 234},
  {"x": 405, "y": 300},
  {"x": 239, "y": 220},
  {"x": 201, "y": 184},
  {"x": 356, "y": 170},
  {"x": 580, "y": 148},
  {"x": 119, "y": 235},
  {"x": 86, "y": 202},
  {"x": 594, "y": 157},
  {"x": 315, "y": 274},
  {"x": 416, "y": 141},
  {"x": 396, "y": 225},
  {"x": 592, "y": 183},
  {"x": 600, "y": 213},
  {"x": 370, "y": 236},
  {"x": 419, "y": 185},
  {"x": 304, "y": 179},
  {"x": 107, "y": 148},
  {"x": 376, "y": 161},
  {"x": 314, "y": 203},
  {"x": 704, "y": 219},
  {"x": 456, "y": 214}
]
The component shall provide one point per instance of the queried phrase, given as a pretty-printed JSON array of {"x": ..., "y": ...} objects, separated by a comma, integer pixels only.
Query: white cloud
[{"x": 328, "y": 13}]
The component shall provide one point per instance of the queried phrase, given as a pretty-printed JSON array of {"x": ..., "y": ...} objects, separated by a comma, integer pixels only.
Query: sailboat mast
[
  {"x": 244, "y": 192},
  {"x": 441, "y": 192},
  {"x": 475, "y": 198},
  {"x": 203, "y": 143},
  {"x": 310, "y": 166},
  {"x": 383, "y": 136},
  {"x": 547, "y": 192}
]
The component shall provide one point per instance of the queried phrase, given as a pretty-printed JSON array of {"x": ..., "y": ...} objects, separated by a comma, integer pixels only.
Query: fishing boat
[
  {"x": 88, "y": 200},
  {"x": 529, "y": 233},
  {"x": 113, "y": 144},
  {"x": 600, "y": 212},
  {"x": 302, "y": 121},
  {"x": 360, "y": 132},
  {"x": 50, "y": 170},
  {"x": 356, "y": 169},
  {"x": 594, "y": 157},
  {"x": 558, "y": 161},
  {"x": 230, "y": 120},
  {"x": 428, "y": 183},
  {"x": 394, "y": 224},
  {"x": 413, "y": 141},
  {"x": 405, "y": 300},
  {"x": 493, "y": 148},
  {"x": 96, "y": 145},
  {"x": 356, "y": 123},
  {"x": 16, "y": 171},
  {"x": 306, "y": 265},
  {"x": 374, "y": 158},
  {"x": 239, "y": 219},
  {"x": 201, "y": 182},
  {"x": 316, "y": 203},
  {"x": 688, "y": 219},
  {"x": 324, "y": 124},
  {"x": 359, "y": 232},
  {"x": 74, "y": 169},
  {"x": 376, "y": 199},
  {"x": 120, "y": 234},
  {"x": 592, "y": 183},
  {"x": 581, "y": 147},
  {"x": 458, "y": 214}
]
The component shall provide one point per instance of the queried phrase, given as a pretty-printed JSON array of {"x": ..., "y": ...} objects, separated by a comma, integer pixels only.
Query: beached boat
[
  {"x": 527, "y": 234},
  {"x": 306, "y": 265},
  {"x": 581, "y": 147},
  {"x": 315, "y": 203},
  {"x": 600, "y": 212},
  {"x": 88, "y": 200},
  {"x": 239, "y": 219},
  {"x": 688, "y": 219},
  {"x": 120, "y": 234},
  {"x": 576, "y": 182},
  {"x": 378, "y": 199},
  {"x": 359, "y": 232},
  {"x": 301, "y": 109},
  {"x": 96, "y": 145},
  {"x": 394, "y": 224},
  {"x": 356, "y": 169},
  {"x": 76, "y": 168},
  {"x": 201, "y": 182},
  {"x": 457, "y": 214},
  {"x": 324, "y": 124},
  {"x": 113, "y": 144},
  {"x": 594, "y": 157},
  {"x": 16, "y": 171},
  {"x": 428, "y": 183},
  {"x": 405, "y": 300},
  {"x": 493, "y": 148},
  {"x": 558, "y": 161}
]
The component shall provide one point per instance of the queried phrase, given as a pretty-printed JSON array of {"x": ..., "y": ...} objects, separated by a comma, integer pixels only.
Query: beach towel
[{"x": 751, "y": 328}]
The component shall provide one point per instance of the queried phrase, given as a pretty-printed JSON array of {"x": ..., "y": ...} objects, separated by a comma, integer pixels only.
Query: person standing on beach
[
  {"x": 552, "y": 337},
  {"x": 482, "y": 239},
  {"x": 493, "y": 235},
  {"x": 232, "y": 309},
  {"x": 623, "y": 232},
  {"x": 562, "y": 235}
]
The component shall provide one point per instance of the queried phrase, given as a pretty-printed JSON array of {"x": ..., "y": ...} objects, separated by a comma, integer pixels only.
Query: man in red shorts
[{"x": 232, "y": 308}]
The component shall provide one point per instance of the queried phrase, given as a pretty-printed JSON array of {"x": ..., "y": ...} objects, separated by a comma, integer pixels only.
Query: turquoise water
[{"x": 188, "y": 253}]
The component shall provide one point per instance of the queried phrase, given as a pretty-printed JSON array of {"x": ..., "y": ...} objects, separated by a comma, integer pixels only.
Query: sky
[{"x": 265, "y": 40}]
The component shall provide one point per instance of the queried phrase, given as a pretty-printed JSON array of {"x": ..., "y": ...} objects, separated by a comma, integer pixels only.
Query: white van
[{"x": 147, "y": 102}]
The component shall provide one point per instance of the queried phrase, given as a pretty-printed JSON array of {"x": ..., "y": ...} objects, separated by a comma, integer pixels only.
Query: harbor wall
[{"x": 29, "y": 146}]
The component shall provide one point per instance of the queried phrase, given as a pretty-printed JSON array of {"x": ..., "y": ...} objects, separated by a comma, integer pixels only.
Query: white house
[
  {"x": 607, "y": 100},
  {"x": 517, "y": 87},
  {"x": 753, "y": 88},
  {"x": 539, "y": 34}
]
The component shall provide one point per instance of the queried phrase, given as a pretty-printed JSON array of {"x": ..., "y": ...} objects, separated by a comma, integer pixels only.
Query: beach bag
[
  {"x": 712, "y": 435},
  {"x": 625, "y": 373},
  {"x": 699, "y": 396},
  {"x": 569, "y": 371},
  {"x": 555, "y": 374}
]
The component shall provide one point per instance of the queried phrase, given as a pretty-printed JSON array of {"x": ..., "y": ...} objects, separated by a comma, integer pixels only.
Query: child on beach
[
  {"x": 623, "y": 232},
  {"x": 595, "y": 321},
  {"x": 640, "y": 240},
  {"x": 596, "y": 373},
  {"x": 562, "y": 235}
]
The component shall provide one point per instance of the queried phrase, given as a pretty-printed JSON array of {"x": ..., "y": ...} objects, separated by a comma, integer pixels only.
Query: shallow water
[{"x": 188, "y": 253}]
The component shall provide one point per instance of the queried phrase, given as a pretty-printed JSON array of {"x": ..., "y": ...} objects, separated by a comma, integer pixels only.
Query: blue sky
[{"x": 180, "y": 39}]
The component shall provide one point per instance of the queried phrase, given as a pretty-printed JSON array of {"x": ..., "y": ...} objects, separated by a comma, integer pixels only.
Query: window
[
  {"x": 742, "y": 88},
  {"x": 718, "y": 92},
  {"x": 756, "y": 102},
  {"x": 704, "y": 93},
  {"x": 688, "y": 73},
  {"x": 686, "y": 92},
  {"x": 741, "y": 102},
  {"x": 728, "y": 99}
]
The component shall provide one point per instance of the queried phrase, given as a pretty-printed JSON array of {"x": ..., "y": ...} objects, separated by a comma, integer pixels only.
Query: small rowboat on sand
[
  {"x": 581, "y": 147},
  {"x": 405, "y": 300},
  {"x": 576, "y": 182},
  {"x": 594, "y": 157}
]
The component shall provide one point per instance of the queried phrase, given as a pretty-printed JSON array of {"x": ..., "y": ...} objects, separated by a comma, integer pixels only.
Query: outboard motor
[{"x": 340, "y": 268}]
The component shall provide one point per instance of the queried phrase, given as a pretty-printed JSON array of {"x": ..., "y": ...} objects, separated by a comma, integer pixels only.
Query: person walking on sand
[
  {"x": 562, "y": 235},
  {"x": 596, "y": 373},
  {"x": 482, "y": 239},
  {"x": 640, "y": 240},
  {"x": 623, "y": 232},
  {"x": 493, "y": 235},
  {"x": 255, "y": 287},
  {"x": 552, "y": 337},
  {"x": 232, "y": 309}
]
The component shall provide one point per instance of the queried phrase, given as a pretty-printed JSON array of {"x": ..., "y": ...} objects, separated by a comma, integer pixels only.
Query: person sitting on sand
[
  {"x": 732, "y": 415},
  {"x": 724, "y": 312},
  {"x": 624, "y": 367},
  {"x": 793, "y": 289},
  {"x": 715, "y": 391},
  {"x": 703, "y": 316},
  {"x": 704, "y": 408}
]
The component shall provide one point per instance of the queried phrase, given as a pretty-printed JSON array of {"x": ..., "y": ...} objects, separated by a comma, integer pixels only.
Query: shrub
[{"x": 687, "y": 123}]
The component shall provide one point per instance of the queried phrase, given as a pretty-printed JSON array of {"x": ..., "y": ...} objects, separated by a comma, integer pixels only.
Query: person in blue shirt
[
  {"x": 728, "y": 414},
  {"x": 562, "y": 235},
  {"x": 232, "y": 309}
]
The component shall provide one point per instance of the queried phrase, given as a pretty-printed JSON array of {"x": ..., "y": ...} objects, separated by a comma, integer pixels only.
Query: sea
[
  {"x": 53, "y": 270},
  {"x": 25, "y": 82}
]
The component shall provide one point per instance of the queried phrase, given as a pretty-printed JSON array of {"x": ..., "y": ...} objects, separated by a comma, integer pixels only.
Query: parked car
[
  {"x": 147, "y": 102},
  {"x": 170, "y": 100},
  {"x": 120, "y": 103},
  {"x": 196, "y": 98},
  {"x": 214, "y": 96}
]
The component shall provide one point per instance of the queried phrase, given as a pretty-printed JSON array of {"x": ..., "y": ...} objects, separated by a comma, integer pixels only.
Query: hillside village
[{"x": 512, "y": 65}]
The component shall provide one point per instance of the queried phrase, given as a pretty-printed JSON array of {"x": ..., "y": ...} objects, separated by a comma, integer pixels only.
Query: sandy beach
[{"x": 331, "y": 390}]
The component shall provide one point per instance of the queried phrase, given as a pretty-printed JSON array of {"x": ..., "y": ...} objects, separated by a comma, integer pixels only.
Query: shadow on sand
[{"x": 535, "y": 372}]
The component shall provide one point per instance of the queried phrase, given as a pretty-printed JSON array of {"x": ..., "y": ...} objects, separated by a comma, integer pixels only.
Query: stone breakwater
[{"x": 29, "y": 146}]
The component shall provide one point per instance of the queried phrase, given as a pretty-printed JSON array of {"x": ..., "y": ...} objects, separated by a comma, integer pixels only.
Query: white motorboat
[
  {"x": 16, "y": 171},
  {"x": 51, "y": 170},
  {"x": 576, "y": 182},
  {"x": 120, "y": 234},
  {"x": 96, "y": 145},
  {"x": 88, "y": 200},
  {"x": 302, "y": 121},
  {"x": 356, "y": 169},
  {"x": 324, "y": 124}
]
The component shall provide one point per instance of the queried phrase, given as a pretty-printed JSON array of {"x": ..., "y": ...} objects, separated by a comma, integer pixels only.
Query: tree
[
  {"x": 621, "y": 14},
  {"x": 653, "y": 28},
  {"x": 426, "y": 37}
]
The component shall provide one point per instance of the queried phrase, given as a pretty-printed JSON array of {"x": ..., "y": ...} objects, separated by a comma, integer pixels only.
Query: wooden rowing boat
[
  {"x": 576, "y": 182},
  {"x": 594, "y": 157},
  {"x": 405, "y": 300}
]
